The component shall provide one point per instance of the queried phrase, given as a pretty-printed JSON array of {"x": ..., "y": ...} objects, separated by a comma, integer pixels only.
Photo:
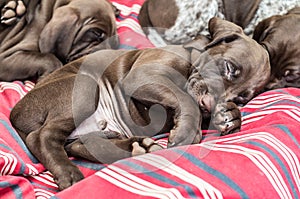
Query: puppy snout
[{"x": 207, "y": 102}]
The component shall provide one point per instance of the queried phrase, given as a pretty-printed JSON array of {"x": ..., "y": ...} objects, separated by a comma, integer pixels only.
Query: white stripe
[
  {"x": 262, "y": 162},
  {"x": 207, "y": 190},
  {"x": 46, "y": 179},
  {"x": 247, "y": 121},
  {"x": 29, "y": 85},
  {"x": 32, "y": 169},
  {"x": 132, "y": 24},
  {"x": 163, "y": 143},
  {"x": 12, "y": 86},
  {"x": 288, "y": 154},
  {"x": 283, "y": 107},
  {"x": 40, "y": 193},
  {"x": 169, "y": 191},
  {"x": 10, "y": 163},
  {"x": 125, "y": 10},
  {"x": 41, "y": 197},
  {"x": 130, "y": 186},
  {"x": 3, "y": 170},
  {"x": 293, "y": 113},
  {"x": 145, "y": 185},
  {"x": 269, "y": 101}
]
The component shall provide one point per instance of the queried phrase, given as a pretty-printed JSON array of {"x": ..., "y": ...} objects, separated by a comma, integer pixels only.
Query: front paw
[
  {"x": 67, "y": 176},
  {"x": 146, "y": 145},
  {"x": 227, "y": 118},
  {"x": 12, "y": 11}
]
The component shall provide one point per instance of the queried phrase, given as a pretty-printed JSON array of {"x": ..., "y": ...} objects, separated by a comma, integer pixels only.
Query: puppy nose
[{"x": 207, "y": 102}]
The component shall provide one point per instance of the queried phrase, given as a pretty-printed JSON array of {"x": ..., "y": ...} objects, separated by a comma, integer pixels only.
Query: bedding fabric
[{"x": 260, "y": 161}]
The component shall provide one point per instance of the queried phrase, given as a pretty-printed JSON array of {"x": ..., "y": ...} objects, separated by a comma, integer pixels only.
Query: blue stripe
[
  {"x": 197, "y": 162},
  {"x": 159, "y": 177},
  {"x": 285, "y": 91},
  {"x": 131, "y": 15},
  {"x": 22, "y": 169},
  {"x": 20, "y": 142},
  {"x": 43, "y": 187},
  {"x": 289, "y": 133},
  {"x": 126, "y": 47},
  {"x": 15, "y": 189},
  {"x": 244, "y": 113},
  {"x": 279, "y": 161},
  {"x": 89, "y": 165}
]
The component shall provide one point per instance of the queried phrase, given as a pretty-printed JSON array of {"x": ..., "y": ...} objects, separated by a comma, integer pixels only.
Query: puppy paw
[
  {"x": 147, "y": 145},
  {"x": 227, "y": 118},
  {"x": 68, "y": 176},
  {"x": 12, "y": 11}
]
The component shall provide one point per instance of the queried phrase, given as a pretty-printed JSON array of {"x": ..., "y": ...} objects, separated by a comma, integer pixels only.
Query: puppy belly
[{"x": 105, "y": 118}]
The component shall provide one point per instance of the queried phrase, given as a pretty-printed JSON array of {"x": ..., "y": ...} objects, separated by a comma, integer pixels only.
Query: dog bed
[{"x": 260, "y": 161}]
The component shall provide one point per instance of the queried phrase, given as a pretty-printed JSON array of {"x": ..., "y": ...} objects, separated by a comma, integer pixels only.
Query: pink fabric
[{"x": 260, "y": 161}]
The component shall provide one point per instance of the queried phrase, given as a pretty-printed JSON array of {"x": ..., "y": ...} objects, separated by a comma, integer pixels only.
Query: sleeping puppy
[
  {"x": 38, "y": 37},
  {"x": 177, "y": 21},
  {"x": 280, "y": 35},
  {"x": 112, "y": 101}
]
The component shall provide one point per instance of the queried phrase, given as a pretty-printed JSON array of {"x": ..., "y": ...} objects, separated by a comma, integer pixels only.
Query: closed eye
[
  {"x": 94, "y": 35},
  {"x": 231, "y": 71}
]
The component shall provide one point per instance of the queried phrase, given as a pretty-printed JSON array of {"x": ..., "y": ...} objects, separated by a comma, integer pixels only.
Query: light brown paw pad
[
  {"x": 12, "y": 11},
  {"x": 137, "y": 149},
  {"x": 147, "y": 146}
]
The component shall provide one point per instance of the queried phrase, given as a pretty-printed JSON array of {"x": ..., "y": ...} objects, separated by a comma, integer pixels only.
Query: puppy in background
[
  {"x": 280, "y": 35},
  {"x": 38, "y": 37},
  {"x": 177, "y": 21}
]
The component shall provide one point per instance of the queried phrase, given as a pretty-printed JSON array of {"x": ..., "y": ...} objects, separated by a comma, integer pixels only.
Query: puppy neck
[{"x": 195, "y": 54}]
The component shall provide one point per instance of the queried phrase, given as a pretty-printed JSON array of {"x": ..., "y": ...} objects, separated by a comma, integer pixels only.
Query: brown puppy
[
  {"x": 280, "y": 35},
  {"x": 50, "y": 33},
  {"x": 126, "y": 96}
]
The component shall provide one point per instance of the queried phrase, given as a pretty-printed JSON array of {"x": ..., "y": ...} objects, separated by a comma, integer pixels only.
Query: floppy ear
[
  {"x": 240, "y": 12},
  {"x": 222, "y": 30},
  {"x": 263, "y": 28},
  {"x": 58, "y": 34},
  {"x": 198, "y": 43}
]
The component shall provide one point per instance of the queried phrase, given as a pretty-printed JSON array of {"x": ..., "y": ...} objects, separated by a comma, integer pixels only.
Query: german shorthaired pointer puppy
[{"x": 177, "y": 21}]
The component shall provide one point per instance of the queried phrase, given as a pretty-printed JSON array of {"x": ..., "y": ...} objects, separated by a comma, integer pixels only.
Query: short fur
[
  {"x": 280, "y": 35},
  {"x": 170, "y": 89},
  {"x": 51, "y": 33},
  {"x": 187, "y": 19}
]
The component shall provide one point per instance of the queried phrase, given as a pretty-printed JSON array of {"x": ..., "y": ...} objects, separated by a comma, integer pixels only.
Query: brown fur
[{"x": 191, "y": 82}]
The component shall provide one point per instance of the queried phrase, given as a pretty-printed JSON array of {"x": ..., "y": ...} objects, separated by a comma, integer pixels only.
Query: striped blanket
[{"x": 260, "y": 161}]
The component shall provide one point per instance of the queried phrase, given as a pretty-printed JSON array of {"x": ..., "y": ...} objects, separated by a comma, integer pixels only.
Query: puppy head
[
  {"x": 79, "y": 28},
  {"x": 281, "y": 37},
  {"x": 233, "y": 67}
]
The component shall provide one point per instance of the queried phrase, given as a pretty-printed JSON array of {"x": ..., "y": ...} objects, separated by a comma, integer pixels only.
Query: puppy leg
[
  {"x": 227, "y": 118},
  {"x": 47, "y": 145},
  {"x": 12, "y": 11},
  {"x": 37, "y": 65},
  {"x": 187, "y": 117},
  {"x": 98, "y": 149}
]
